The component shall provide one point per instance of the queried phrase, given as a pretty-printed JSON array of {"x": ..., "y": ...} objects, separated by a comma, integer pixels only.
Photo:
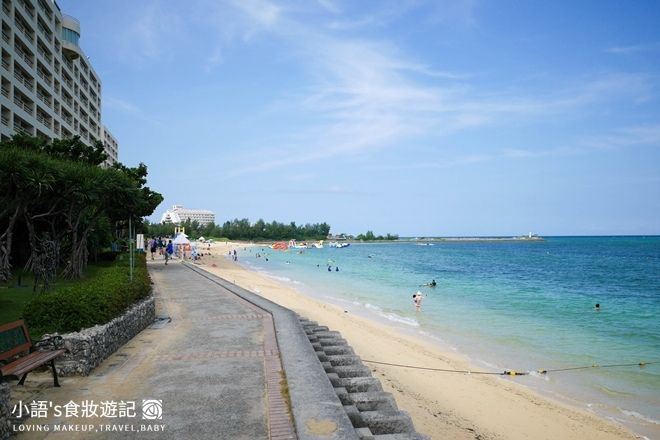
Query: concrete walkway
[{"x": 211, "y": 367}]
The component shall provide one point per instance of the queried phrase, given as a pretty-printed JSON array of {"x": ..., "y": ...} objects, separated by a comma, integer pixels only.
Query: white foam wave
[
  {"x": 438, "y": 340},
  {"x": 398, "y": 319},
  {"x": 336, "y": 299},
  {"x": 488, "y": 365},
  {"x": 636, "y": 415},
  {"x": 538, "y": 375}
]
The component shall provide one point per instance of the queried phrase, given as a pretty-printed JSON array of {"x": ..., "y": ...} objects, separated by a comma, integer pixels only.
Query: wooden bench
[{"x": 15, "y": 339}]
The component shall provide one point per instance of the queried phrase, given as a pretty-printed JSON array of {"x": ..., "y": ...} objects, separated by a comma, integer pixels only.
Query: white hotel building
[
  {"x": 49, "y": 88},
  {"x": 178, "y": 215}
]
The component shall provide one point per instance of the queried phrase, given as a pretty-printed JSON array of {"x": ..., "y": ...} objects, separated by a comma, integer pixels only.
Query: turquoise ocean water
[{"x": 511, "y": 306}]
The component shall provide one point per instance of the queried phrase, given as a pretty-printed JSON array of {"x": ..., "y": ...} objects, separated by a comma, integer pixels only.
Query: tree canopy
[
  {"x": 58, "y": 191},
  {"x": 244, "y": 230}
]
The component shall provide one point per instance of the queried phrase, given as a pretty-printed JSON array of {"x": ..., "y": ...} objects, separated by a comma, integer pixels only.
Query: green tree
[
  {"x": 59, "y": 190},
  {"x": 14, "y": 167}
]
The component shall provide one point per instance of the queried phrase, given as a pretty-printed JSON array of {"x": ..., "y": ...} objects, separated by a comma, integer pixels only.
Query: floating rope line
[
  {"x": 508, "y": 373},
  {"x": 641, "y": 364},
  {"x": 436, "y": 369}
]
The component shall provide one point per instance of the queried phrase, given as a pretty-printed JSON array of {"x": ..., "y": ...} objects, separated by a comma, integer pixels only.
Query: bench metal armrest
[{"x": 54, "y": 342}]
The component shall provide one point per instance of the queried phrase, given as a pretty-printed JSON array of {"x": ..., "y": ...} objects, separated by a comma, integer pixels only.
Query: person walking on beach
[
  {"x": 418, "y": 301},
  {"x": 152, "y": 246},
  {"x": 169, "y": 251}
]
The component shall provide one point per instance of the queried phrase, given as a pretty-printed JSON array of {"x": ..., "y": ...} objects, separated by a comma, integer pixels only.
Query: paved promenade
[{"x": 214, "y": 360}]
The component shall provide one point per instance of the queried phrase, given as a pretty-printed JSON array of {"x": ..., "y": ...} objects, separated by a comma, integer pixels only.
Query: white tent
[{"x": 181, "y": 239}]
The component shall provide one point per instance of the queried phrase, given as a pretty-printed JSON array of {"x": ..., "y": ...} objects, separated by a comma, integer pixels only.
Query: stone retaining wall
[
  {"x": 5, "y": 424},
  {"x": 88, "y": 348}
]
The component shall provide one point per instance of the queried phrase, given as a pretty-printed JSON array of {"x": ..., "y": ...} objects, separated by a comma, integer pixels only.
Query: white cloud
[
  {"x": 648, "y": 135},
  {"x": 626, "y": 50},
  {"x": 258, "y": 16},
  {"x": 330, "y": 6},
  {"x": 214, "y": 60},
  {"x": 152, "y": 35},
  {"x": 367, "y": 94},
  {"x": 127, "y": 108},
  {"x": 124, "y": 106}
]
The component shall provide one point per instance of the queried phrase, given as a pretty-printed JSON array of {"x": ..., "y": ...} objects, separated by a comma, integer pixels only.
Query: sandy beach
[{"x": 442, "y": 405}]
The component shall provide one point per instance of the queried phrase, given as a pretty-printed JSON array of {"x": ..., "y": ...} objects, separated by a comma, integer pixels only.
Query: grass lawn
[
  {"x": 12, "y": 298},
  {"x": 11, "y": 303}
]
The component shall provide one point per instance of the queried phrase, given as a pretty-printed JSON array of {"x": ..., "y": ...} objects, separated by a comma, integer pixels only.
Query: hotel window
[{"x": 70, "y": 36}]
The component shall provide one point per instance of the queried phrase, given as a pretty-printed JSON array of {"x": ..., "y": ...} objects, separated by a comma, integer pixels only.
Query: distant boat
[
  {"x": 424, "y": 244},
  {"x": 334, "y": 244}
]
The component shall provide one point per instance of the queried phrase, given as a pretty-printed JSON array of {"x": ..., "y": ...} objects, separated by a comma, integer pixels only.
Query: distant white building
[{"x": 178, "y": 215}]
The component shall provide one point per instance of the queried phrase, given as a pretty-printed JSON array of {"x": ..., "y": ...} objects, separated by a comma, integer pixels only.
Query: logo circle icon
[{"x": 152, "y": 409}]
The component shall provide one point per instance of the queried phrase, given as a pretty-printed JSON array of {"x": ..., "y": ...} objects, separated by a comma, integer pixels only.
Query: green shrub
[
  {"x": 90, "y": 302},
  {"x": 108, "y": 256}
]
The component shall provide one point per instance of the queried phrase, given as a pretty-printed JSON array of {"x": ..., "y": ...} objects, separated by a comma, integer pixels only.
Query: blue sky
[{"x": 409, "y": 117}]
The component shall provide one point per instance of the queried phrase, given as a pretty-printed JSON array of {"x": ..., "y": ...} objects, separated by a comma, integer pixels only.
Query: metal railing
[
  {"x": 45, "y": 99},
  {"x": 21, "y": 53},
  {"x": 23, "y": 29},
  {"x": 45, "y": 10},
  {"x": 29, "y": 11},
  {"x": 24, "y": 105},
  {"x": 45, "y": 122},
  {"x": 23, "y": 80}
]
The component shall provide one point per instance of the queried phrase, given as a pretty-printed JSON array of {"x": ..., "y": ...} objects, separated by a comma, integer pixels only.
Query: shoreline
[
  {"x": 421, "y": 241},
  {"x": 457, "y": 406}
]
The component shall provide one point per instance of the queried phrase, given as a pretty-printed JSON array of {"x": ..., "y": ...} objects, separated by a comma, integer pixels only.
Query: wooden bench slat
[{"x": 29, "y": 362}]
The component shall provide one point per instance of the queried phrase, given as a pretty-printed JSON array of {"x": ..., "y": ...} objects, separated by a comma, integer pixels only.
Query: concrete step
[
  {"x": 387, "y": 422},
  {"x": 373, "y": 412},
  {"x": 345, "y": 360},
  {"x": 370, "y": 401},
  {"x": 351, "y": 371},
  {"x": 356, "y": 384}
]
